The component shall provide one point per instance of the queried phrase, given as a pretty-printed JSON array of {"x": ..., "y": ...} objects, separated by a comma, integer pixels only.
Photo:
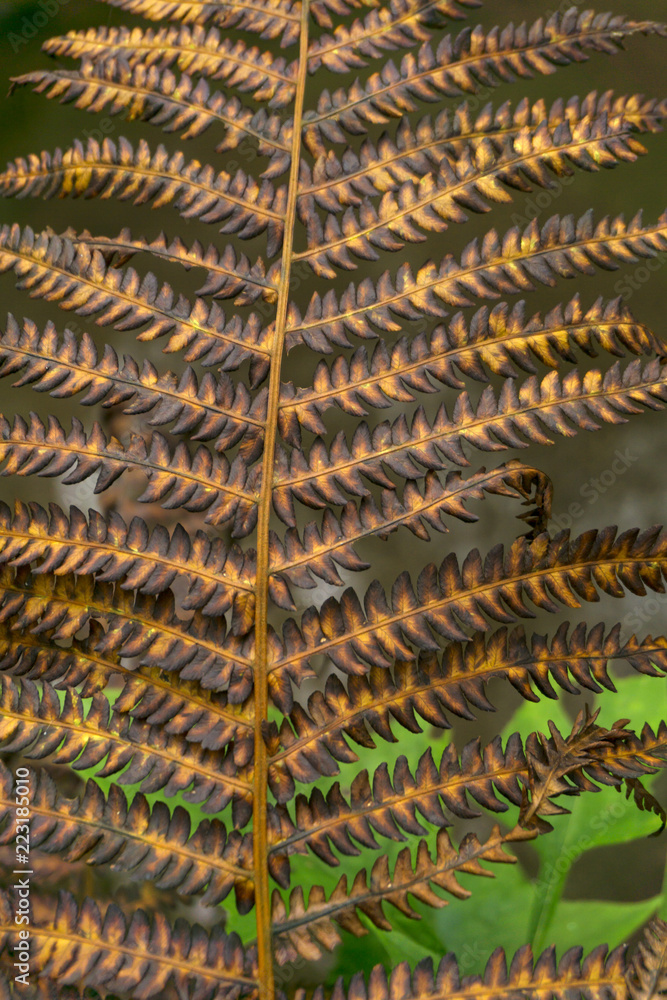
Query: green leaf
[
  {"x": 589, "y": 922},
  {"x": 598, "y": 820}
]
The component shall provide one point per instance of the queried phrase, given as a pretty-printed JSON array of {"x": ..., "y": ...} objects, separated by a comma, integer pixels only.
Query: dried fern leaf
[
  {"x": 502, "y": 341},
  {"x": 415, "y": 151},
  {"x": 393, "y": 805},
  {"x": 561, "y": 248},
  {"x": 308, "y": 929},
  {"x": 175, "y": 478},
  {"x": 300, "y": 561},
  {"x": 266, "y": 18},
  {"x": 645, "y": 801},
  {"x": 199, "y": 649},
  {"x": 145, "y": 630},
  {"x": 647, "y": 974},
  {"x": 78, "y": 280},
  {"x": 161, "y": 178},
  {"x": 93, "y": 664},
  {"x": 549, "y": 572},
  {"x": 618, "y": 761},
  {"x": 229, "y": 275},
  {"x": 39, "y": 611},
  {"x": 140, "y": 955},
  {"x": 472, "y": 61},
  {"x": 195, "y": 50},
  {"x": 112, "y": 550},
  {"x": 454, "y": 682},
  {"x": 180, "y": 746},
  {"x": 181, "y": 705},
  {"x": 398, "y": 25},
  {"x": 213, "y": 409},
  {"x": 158, "y": 97},
  {"x": 37, "y": 724},
  {"x": 598, "y": 976},
  {"x": 515, "y": 417},
  {"x": 558, "y": 765},
  {"x": 472, "y": 179},
  {"x": 148, "y": 843}
]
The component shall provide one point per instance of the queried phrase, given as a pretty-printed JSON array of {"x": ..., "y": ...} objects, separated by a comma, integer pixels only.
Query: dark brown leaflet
[
  {"x": 193, "y": 50},
  {"x": 113, "y": 742},
  {"x": 408, "y": 152},
  {"x": 646, "y": 976},
  {"x": 501, "y": 341},
  {"x": 178, "y": 637},
  {"x": 447, "y": 598},
  {"x": 83, "y": 943},
  {"x": 395, "y": 804},
  {"x": 599, "y": 976},
  {"x": 244, "y": 206},
  {"x": 465, "y": 64},
  {"x": 455, "y": 683},
  {"x": 135, "y": 837},
  {"x": 80, "y": 280},
  {"x": 307, "y": 929},
  {"x": 516, "y": 416},
  {"x": 472, "y": 179}
]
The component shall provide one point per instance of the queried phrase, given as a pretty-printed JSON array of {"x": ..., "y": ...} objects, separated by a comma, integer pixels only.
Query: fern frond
[
  {"x": 308, "y": 929},
  {"x": 501, "y": 341},
  {"x": 389, "y": 805},
  {"x": 182, "y": 743},
  {"x": 146, "y": 842},
  {"x": 414, "y": 151},
  {"x": 599, "y": 976},
  {"x": 267, "y": 18},
  {"x": 140, "y": 955},
  {"x": 229, "y": 275},
  {"x": 216, "y": 578},
  {"x": 154, "y": 658},
  {"x": 142, "y": 627},
  {"x": 195, "y": 50},
  {"x": 36, "y": 724},
  {"x": 647, "y": 975},
  {"x": 454, "y": 682},
  {"x": 159, "y": 98},
  {"x": 561, "y": 248},
  {"x": 161, "y": 178},
  {"x": 510, "y": 420},
  {"x": 559, "y": 765},
  {"x": 175, "y": 478},
  {"x": 472, "y": 179},
  {"x": 398, "y": 25},
  {"x": 300, "y": 561},
  {"x": 645, "y": 801},
  {"x": 78, "y": 280},
  {"x": 183, "y": 734},
  {"x": 472, "y": 61},
  {"x": 550, "y": 572},
  {"x": 214, "y": 409}
]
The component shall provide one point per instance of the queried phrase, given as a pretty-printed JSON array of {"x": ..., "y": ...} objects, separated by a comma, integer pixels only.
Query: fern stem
[{"x": 261, "y": 762}]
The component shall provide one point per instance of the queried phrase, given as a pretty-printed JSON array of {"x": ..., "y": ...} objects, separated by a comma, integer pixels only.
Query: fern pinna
[{"x": 173, "y": 661}]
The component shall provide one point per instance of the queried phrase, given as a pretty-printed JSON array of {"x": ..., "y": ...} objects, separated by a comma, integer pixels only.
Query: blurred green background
[{"x": 597, "y": 877}]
